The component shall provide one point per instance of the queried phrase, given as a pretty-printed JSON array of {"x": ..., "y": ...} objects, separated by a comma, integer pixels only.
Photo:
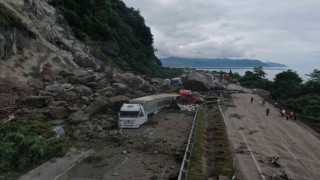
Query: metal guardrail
[
  {"x": 224, "y": 120},
  {"x": 187, "y": 155}
]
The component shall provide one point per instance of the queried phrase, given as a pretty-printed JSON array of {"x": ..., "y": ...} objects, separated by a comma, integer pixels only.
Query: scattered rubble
[
  {"x": 78, "y": 117},
  {"x": 273, "y": 160},
  {"x": 189, "y": 107},
  {"x": 236, "y": 115},
  {"x": 243, "y": 148},
  {"x": 252, "y": 132}
]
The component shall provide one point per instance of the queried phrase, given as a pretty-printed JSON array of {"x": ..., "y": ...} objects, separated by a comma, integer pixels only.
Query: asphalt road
[{"x": 258, "y": 138}]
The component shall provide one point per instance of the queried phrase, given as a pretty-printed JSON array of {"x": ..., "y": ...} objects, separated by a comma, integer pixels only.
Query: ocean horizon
[{"x": 271, "y": 71}]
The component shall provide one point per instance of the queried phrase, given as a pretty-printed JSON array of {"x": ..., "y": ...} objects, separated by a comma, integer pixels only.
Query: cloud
[{"x": 284, "y": 31}]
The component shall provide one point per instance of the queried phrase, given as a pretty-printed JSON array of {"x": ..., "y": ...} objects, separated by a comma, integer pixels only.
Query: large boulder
[
  {"x": 59, "y": 112},
  {"x": 78, "y": 117},
  {"x": 198, "y": 82},
  {"x": 82, "y": 77},
  {"x": 148, "y": 88},
  {"x": 127, "y": 76},
  {"x": 136, "y": 82},
  {"x": 86, "y": 127},
  {"x": 53, "y": 104},
  {"x": 160, "y": 84},
  {"x": 117, "y": 78},
  {"x": 67, "y": 96},
  {"x": 35, "y": 83},
  {"x": 107, "y": 121},
  {"x": 97, "y": 106},
  {"x": 117, "y": 101},
  {"x": 107, "y": 92},
  {"x": 35, "y": 101},
  {"x": 122, "y": 78},
  {"x": 120, "y": 88},
  {"x": 59, "y": 88},
  {"x": 82, "y": 89}
]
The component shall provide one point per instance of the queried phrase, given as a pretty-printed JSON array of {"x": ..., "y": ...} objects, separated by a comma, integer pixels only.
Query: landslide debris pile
[
  {"x": 84, "y": 103},
  {"x": 85, "y": 99},
  {"x": 40, "y": 39},
  {"x": 65, "y": 61}
]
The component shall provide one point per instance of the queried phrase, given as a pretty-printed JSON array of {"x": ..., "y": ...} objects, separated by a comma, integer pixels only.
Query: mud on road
[
  {"x": 154, "y": 151},
  {"x": 257, "y": 139}
]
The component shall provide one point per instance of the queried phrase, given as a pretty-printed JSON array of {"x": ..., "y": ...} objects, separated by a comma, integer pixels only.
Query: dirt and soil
[
  {"x": 11, "y": 91},
  {"x": 154, "y": 151},
  {"x": 257, "y": 138}
]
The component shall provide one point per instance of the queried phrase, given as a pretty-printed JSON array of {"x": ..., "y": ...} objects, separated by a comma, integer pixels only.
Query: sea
[{"x": 271, "y": 71}]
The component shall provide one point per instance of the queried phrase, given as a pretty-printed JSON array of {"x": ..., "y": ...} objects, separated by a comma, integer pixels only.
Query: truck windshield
[{"x": 131, "y": 114}]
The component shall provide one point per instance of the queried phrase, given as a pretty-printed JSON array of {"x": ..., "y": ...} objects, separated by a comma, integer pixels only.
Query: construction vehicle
[{"x": 136, "y": 112}]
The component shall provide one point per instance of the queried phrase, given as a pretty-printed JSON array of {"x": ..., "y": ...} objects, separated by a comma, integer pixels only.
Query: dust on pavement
[{"x": 259, "y": 138}]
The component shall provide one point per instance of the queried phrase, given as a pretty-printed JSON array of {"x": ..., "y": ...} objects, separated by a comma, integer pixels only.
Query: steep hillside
[
  {"x": 35, "y": 40},
  {"x": 40, "y": 38},
  {"x": 69, "y": 34},
  {"x": 116, "y": 32},
  {"x": 59, "y": 68}
]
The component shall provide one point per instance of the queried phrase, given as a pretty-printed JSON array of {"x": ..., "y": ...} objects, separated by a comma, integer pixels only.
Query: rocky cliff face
[
  {"x": 42, "y": 41},
  {"x": 45, "y": 69},
  {"x": 35, "y": 44}
]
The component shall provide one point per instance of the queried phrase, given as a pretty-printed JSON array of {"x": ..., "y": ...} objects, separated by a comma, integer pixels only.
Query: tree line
[{"x": 288, "y": 89}]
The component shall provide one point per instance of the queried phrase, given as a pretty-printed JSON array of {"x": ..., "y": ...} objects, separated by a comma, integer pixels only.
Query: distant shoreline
[{"x": 269, "y": 68}]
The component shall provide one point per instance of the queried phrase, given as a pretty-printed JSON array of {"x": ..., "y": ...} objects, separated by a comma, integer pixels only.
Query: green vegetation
[
  {"x": 221, "y": 152},
  {"x": 28, "y": 142},
  {"x": 289, "y": 90},
  {"x": 211, "y": 156},
  {"x": 255, "y": 79},
  {"x": 196, "y": 169},
  {"x": 117, "y": 32}
]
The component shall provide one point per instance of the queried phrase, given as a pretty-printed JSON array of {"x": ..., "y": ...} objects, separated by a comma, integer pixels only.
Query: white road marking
[
  {"x": 57, "y": 177},
  {"x": 290, "y": 152},
  {"x": 295, "y": 157},
  {"x": 254, "y": 159}
]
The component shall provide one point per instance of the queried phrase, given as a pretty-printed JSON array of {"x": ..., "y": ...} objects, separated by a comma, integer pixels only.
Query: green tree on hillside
[
  {"x": 258, "y": 71},
  {"x": 314, "y": 75},
  {"x": 286, "y": 85},
  {"x": 312, "y": 86},
  {"x": 118, "y": 33},
  {"x": 256, "y": 79}
]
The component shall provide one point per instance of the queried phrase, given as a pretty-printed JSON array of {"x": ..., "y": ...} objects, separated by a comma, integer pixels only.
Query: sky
[{"x": 283, "y": 31}]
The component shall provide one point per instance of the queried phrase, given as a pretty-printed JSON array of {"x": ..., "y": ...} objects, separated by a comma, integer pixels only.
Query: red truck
[{"x": 186, "y": 97}]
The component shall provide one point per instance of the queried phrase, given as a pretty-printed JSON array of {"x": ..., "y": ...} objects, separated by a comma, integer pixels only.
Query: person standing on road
[
  {"x": 294, "y": 116},
  {"x": 291, "y": 115},
  {"x": 283, "y": 113},
  {"x": 287, "y": 116},
  {"x": 268, "y": 111},
  {"x": 251, "y": 99}
]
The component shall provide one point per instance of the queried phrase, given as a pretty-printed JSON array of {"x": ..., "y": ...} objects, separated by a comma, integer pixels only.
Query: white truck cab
[
  {"x": 132, "y": 115},
  {"x": 135, "y": 113}
]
